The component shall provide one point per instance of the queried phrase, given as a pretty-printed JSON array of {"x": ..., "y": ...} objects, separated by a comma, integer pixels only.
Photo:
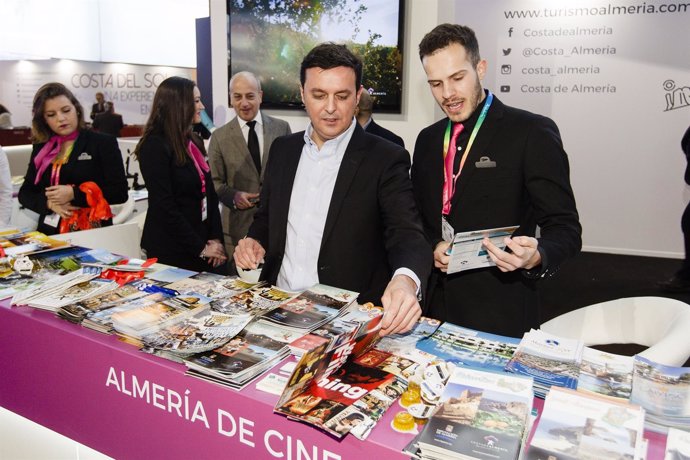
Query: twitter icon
[{"x": 506, "y": 52}]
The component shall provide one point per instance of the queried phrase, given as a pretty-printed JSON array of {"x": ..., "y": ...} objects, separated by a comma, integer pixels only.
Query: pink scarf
[
  {"x": 49, "y": 151},
  {"x": 199, "y": 163}
]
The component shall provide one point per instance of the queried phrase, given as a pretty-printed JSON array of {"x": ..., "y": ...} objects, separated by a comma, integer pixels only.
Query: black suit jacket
[
  {"x": 529, "y": 187},
  {"x": 95, "y": 157},
  {"x": 372, "y": 227},
  {"x": 378, "y": 130},
  {"x": 108, "y": 123},
  {"x": 97, "y": 109},
  {"x": 173, "y": 230}
]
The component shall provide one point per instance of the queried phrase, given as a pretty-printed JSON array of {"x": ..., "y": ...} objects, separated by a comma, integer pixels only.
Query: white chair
[
  {"x": 123, "y": 239},
  {"x": 18, "y": 157},
  {"x": 659, "y": 323},
  {"x": 122, "y": 212}
]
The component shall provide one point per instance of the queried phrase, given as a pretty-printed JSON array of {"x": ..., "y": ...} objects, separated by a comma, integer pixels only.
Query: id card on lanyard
[
  {"x": 204, "y": 209},
  {"x": 447, "y": 231}
]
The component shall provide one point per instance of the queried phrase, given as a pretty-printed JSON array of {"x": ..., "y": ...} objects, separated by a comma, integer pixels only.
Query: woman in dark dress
[
  {"x": 183, "y": 225},
  {"x": 65, "y": 155}
]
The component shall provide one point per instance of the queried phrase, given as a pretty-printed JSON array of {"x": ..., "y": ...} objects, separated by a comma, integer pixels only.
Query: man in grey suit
[{"x": 237, "y": 172}]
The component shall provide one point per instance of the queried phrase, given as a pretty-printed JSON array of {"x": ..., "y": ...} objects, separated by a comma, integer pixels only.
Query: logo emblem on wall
[{"x": 676, "y": 97}]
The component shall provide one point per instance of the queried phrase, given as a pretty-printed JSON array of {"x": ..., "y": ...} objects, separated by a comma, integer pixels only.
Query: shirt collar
[
  {"x": 257, "y": 118},
  {"x": 336, "y": 144},
  {"x": 472, "y": 120}
]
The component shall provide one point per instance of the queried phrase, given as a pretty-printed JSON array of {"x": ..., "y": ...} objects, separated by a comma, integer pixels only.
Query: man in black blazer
[
  {"x": 365, "y": 108},
  {"x": 514, "y": 172},
  {"x": 109, "y": 122},
  {"x": 336, "y": 203}
]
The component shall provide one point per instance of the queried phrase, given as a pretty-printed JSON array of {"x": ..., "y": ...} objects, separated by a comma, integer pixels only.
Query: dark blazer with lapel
[
  {"x": 529, "y": 186},
  {"x": 372, "y": 227},
  {"x": 378, "y": 130},
  {"x": 95, "y": 157},
  {"x": 233, "y": 169},
  {"x": 173, "y": 230}
]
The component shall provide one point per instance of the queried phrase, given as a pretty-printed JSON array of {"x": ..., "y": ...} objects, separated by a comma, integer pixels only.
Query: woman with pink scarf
[
  {"x": 183, "y": 226},
  {"x": 65, "y": 156}
]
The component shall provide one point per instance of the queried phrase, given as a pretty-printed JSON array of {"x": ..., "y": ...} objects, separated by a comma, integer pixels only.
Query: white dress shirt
[
  {"x": 311, "y": 197},
  {"x": 309, "y": 202},
  {"x": 258, "y": 127}
]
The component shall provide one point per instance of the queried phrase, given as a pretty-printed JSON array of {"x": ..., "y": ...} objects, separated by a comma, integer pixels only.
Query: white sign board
[
  {"x": 130, "y": 87},
  {"x": 615, "y": 77}
]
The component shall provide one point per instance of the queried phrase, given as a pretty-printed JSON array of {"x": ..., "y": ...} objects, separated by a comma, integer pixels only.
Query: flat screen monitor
[{"x": 270, "y": 39}]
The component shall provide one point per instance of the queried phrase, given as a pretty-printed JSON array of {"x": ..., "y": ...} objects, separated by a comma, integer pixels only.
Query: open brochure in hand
[
  {"x": 482, "y": 415},
  {"x": 467, "y": 252},
  {"x": 574, "y": 425}
]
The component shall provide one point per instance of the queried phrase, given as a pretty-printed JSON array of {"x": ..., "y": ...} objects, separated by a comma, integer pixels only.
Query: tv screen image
[{"x": 271, "y": 37}]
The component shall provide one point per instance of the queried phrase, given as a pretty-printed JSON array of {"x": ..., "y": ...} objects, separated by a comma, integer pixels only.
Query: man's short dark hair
[
  {"x": 328, "y": 56},
  {"x": 446, "y": 34}
]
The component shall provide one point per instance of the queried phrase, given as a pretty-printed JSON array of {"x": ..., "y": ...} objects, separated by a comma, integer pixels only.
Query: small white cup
[{"x": 251, "y": 276}]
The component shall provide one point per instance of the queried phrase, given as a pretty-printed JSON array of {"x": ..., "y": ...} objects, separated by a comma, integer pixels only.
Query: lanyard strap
[
  {"x": 446, "y": 137},
  {"x": 199, "y": 163},
  {"x": 57, "y": 166}
]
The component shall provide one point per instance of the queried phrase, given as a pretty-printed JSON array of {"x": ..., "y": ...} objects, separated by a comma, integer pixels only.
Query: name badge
[
  {"x": 52, "y": 220},
  {"x": 485, "y": 162},
  {"x": 204, "y": 209},
  {"x": 84, "y": 156}
]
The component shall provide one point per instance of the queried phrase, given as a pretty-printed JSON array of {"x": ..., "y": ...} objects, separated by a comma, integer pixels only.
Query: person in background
[
  {"x": 66, "y": 155},
  {"x": 500, "y": 167},
  {"x": 5, "y": 118},
  {"x": 365, "y": 108},
  {"x": 99, "y": 106},
  {"x": 108, "y": 122},
  {"x": 680, "y": 281},
  {"x": 5, "y": 190},
  {"x": 336, "y": 203},
  {"x": 182, "y": 226},
  {"x": 237, "y": 174}
]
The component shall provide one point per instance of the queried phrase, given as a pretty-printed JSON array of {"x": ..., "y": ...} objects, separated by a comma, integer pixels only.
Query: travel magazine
[
  {"x": 332, "y": 390},
  {"x": 482, "y": 415},
  {"x": 605, "y": 373},
  {"x": 311, "y": 308},
  {"x": 470, "y": 348},
  {"x": 551, "y": 360},
  {"x": 575, "y": 425},
  {"x": 664, "y": 392}
]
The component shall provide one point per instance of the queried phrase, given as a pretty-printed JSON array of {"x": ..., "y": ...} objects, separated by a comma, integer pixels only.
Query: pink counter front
[{"x": 127, "y": 404}]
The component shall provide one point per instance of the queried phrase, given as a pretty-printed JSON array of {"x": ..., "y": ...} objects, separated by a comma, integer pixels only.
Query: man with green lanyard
[{"x": 487, "y": 165}]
